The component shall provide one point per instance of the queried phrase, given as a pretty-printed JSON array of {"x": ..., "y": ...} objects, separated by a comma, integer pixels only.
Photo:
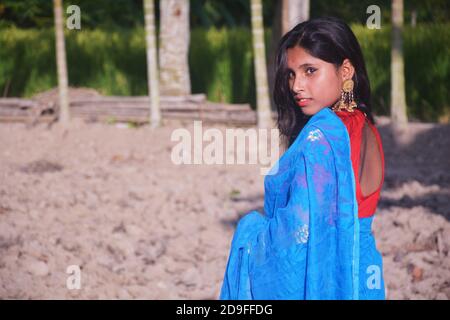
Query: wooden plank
[{"x": 193, "y": 107}]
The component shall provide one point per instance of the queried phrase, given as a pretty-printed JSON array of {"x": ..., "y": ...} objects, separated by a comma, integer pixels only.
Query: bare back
[{"x": 370, "y": 163}]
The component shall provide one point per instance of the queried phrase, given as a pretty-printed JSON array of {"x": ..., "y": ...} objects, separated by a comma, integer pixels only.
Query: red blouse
[{"x": 354, "y": 121}]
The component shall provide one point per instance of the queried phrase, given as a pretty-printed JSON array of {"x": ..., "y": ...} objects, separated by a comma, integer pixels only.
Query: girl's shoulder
[
  {"x": 325, "y": 123},
  {"x": 353, "y": 119},
  {"x": 324, "y": 131}
]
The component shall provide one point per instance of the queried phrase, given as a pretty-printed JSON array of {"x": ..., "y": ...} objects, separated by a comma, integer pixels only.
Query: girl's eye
[
  {"x": 291, "y": 75},
  {"x": 310, "y": 70}
]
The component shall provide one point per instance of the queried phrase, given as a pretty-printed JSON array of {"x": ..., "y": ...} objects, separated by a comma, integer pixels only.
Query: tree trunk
[
  {"x": 152, "y": 63},
  {"x": 273, "y": 46},
  {"x": 174, "y": 47},
  {"x": 398, "y": 100},
  {"x": 262, "y": 91},
  {"x": 61, "y": 64},
  {"x": 294, "y": 12}
]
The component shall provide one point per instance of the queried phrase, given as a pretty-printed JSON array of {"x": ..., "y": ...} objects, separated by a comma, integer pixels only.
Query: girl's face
[{"x": 315, "y": 83}]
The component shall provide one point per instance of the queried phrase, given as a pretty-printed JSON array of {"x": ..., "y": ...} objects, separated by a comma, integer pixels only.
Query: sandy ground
[{"x": 110, "y": 200}]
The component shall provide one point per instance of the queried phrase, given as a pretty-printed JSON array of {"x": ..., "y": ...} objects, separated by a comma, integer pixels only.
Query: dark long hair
[{"x": 329, "y": 39}]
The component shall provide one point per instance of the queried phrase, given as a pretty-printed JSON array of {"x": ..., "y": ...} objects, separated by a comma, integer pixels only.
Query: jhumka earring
[{"x": 346, "y": 102}]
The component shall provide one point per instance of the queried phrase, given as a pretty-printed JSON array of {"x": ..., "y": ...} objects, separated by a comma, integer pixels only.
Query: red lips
[{"x": 303, "y": 102}]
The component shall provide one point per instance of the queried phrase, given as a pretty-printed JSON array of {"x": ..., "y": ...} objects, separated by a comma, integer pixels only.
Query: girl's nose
[{"x": 298, "y": 85}]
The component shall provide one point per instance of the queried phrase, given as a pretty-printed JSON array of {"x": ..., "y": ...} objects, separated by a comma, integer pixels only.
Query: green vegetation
[{"x": 113, "y": 62}]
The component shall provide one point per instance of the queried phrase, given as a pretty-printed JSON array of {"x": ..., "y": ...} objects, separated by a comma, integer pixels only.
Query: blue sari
[{"x": 307, "y": 245}]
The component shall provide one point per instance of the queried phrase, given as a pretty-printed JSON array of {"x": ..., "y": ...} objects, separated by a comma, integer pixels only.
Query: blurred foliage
[
  {"x": 110, "y": 62},
  {"x": 432, "y": 11},
  {"x": 109, "y": 52},
  {"x": 98, "y": 13},
  {"x": 207, "y": 13},
  {"x": 426, "y": 54},
  {"x": 127, "y": 13},
  {"x": 220, "y": 64}
]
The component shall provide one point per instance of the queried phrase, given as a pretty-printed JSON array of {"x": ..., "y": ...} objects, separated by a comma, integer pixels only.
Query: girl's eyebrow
[{"x": 305, "y": 65}]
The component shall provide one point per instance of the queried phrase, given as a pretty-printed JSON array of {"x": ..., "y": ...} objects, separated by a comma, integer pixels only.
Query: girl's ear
[{"x": 347, "y": 70}]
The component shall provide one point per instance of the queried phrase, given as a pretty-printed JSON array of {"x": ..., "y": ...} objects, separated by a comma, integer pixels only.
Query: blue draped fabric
[{"x": 307, "y": 245}]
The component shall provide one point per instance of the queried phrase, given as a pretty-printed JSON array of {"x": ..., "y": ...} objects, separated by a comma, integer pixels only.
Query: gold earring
[{"x": 346, "y": 102}]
